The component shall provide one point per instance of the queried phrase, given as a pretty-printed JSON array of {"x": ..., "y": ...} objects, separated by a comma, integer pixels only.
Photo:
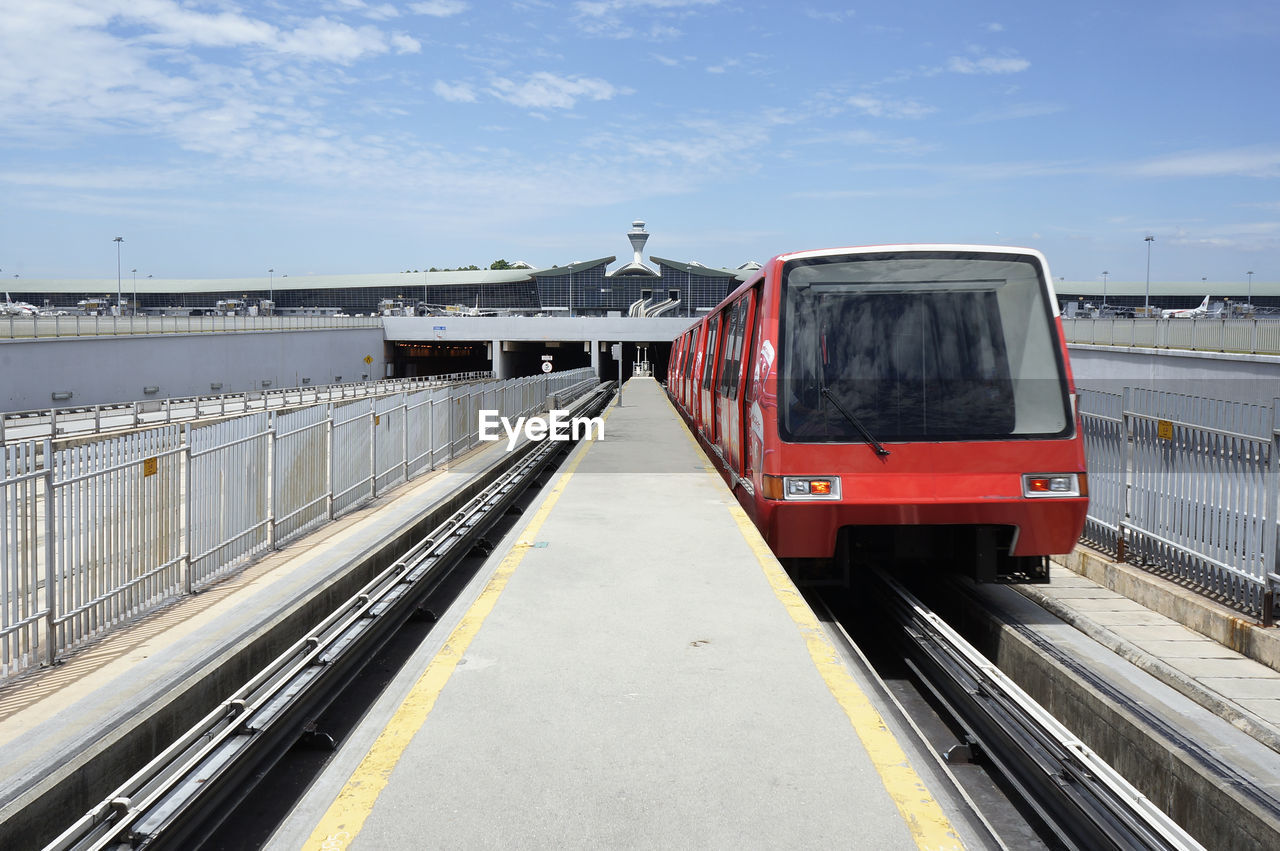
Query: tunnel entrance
[{"x": 421, "y": 360}]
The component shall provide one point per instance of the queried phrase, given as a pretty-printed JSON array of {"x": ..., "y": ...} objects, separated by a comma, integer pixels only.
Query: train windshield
[{"x": 919, "y": 346}]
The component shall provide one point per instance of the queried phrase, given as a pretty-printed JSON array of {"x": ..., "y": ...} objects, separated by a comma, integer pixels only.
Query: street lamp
[
  {"x": 1104, "y": 290},
  {"x": 1146, "y": 303},
  {"x": 135, "y": 291},
  {"x": 1250, "y": 274},
  {"x": 117, "y": 241}
]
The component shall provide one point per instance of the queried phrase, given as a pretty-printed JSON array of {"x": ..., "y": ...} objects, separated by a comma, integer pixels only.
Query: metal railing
[
  {"x": 35, "y": 327},
  {"x": 1187, "y": 486},
  {"x": 92, "y": 419},
  {"x": 96, "y": 534},
  {"x": 1251, "y": 336}
]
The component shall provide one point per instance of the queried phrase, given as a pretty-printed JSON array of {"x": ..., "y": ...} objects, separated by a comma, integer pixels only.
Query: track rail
[
  {"x": 1085, "y": 802},
  {"x": 187, "y": 789}
]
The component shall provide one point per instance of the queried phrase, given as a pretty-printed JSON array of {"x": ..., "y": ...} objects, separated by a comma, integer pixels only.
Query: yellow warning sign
[
  {"x": 150, "y": 467},
  {"x": 1164, "y": 429},
  {"x": 368, "y": 359}
]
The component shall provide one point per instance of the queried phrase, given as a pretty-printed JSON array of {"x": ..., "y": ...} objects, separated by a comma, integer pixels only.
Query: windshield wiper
[{"x": 866, "y": 435}]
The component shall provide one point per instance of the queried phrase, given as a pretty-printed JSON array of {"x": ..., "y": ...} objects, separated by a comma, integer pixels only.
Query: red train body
[{"x": 894, "y": 401}]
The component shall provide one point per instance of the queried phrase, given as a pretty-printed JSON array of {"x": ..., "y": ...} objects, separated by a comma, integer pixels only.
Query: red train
[{"x": 885, "y": 403}]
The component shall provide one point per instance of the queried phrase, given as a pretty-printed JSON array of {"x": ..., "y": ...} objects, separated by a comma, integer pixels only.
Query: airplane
[
  {"x": 1191, "y": 312},
  {"x": 16, "y": 308}
]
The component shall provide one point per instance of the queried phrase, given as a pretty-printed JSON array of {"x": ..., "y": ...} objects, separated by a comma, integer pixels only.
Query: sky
[{"x": 220, "y": 139}]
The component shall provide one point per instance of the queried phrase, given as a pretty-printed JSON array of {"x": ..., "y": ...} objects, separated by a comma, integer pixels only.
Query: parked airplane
[
  {"x": 16, "y": 308},
  {"x": 1191, "y": 312}
]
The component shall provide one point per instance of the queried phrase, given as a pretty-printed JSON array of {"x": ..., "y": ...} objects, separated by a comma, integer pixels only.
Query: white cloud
[
  {"x": 608, "y": 17},
  {"x": 666, "y": 60},
  {"x": 987, "y": 65},
  {"x": 405, "y": 44},
  {"x": 834, "y": 16},
  {"x": 1014, "y": 112},
  {"x": 439, "y": 8},
  {"x": 1258, "y": 161},
  {"x": 993, "y": 27},
  {"x": 455, "y": 92},
  {"x": 882, "y": 108},
  {"x": 543, "y": 90}
]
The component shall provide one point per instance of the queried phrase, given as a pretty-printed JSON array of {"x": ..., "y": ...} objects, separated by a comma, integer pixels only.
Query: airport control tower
[{"x": 638, "y": 236}]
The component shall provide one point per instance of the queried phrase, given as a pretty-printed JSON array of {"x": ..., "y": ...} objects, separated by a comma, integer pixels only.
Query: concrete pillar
[
  {"x": 595, "y": 357},
  {"x": 501, "y": 368}
]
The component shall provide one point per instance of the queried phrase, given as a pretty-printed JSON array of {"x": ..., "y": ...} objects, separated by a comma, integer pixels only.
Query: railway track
[
  {"x": 185, "y": 792},
  {"x": 1080, "y": 802}
]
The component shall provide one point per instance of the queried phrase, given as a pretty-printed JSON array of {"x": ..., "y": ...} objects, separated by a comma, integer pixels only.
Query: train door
[
  {"x": 755, "y": 370},
  {"x": 706, "y": 388},
  {"x": 690, "y": 358},
  {"x": 729, "y": 383},
  {"x": 675, "y": 367}
]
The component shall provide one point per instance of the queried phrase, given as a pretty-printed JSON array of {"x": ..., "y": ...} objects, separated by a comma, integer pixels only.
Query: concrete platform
[
  {"x": 1203, "y": 650},
  {"x": 637, "y": 671}
]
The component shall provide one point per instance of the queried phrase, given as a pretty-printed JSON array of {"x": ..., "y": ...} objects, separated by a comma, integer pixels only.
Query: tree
[{"x": 499, "y": 264}]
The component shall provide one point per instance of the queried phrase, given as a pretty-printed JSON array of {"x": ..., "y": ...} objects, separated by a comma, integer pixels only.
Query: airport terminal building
[{"x": 585, "y": 288}]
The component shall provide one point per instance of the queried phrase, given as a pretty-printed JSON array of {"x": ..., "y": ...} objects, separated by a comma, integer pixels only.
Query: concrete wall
[
  {"x": 1238, "y": 378},
  {"x": 98, "y": 370}
]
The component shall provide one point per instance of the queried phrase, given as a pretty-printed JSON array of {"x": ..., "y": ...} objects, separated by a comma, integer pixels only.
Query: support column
[
  {"x": 501, "y": 368},
  {"x": 595, "y": 357}
]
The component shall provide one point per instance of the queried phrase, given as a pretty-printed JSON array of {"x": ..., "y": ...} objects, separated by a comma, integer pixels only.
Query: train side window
[
  {"x": 709, "y": 359},
  {"x": 690, "y": 351},
  {"x": 732, "y": 358}
]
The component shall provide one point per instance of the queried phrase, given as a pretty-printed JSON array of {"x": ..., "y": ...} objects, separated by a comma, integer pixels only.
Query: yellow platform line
[
  {"x": 928, "y": 824},
  {"x": 349, "y": 810}
]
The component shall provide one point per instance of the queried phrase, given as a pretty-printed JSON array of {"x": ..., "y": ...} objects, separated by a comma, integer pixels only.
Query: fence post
[
  {"x": 189, "y": 502},
  {"x": 373, "y": 447},
  {"x": 329, "y": 457},
  {"x": 404, "y": 435},
  {"x": 1126, "y": 466},
  {"x": 270, "y": 479},
  {"x": 50, "y": 573},
  {"x": 1270, "y": 538}
]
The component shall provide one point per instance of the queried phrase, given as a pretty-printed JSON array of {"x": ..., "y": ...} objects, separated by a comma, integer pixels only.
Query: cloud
[
  {"x": 543, "y": 90},
  {"x": 455, "y": 92},
  {"x": 1256, "y": 161},
  {"x": 1247, "y": 236},
  {"x": 987, "y": 65},
  {"x": 993, "y": 27},
  {"x": 606, "y": 17},
  {"x": 835, "y": 16},
  {"x": 1014, "y": 112},
  {"x": 882, "y": 108},
  {"x": 439, "y": 8}
]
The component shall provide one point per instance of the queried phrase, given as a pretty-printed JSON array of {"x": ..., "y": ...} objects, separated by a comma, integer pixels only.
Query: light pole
[
  {"x": 1250, "y": 274},
  {"x": 135, "y": 291},
  {"x": 1146, "y": 302},
  {"x": 117, "y": 241},
  {"x": 1104, "y": 290},
  {"x": 271, "y": 290}
]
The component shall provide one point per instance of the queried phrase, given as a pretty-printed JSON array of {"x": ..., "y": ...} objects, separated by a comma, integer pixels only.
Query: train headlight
[
  {"x": 802, "y": 487},
  {"x": 1053, "y": 484}
]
